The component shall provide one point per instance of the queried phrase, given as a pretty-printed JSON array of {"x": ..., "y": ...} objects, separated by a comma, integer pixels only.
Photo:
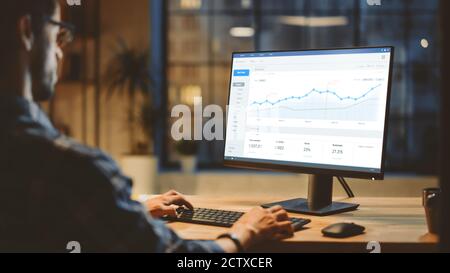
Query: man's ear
[{"x": 25, "y": 32}]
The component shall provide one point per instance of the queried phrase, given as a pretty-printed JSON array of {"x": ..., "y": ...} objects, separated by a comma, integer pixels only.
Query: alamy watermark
[
  {"x": 374, "y": 247},
  {"x": 374, "y": 2},
  {"x": 200, "y": 122},
  {"x": 191, "y": 126},
  {"x": 73, "y": 2},
  {"x": 73, "y": 247}
]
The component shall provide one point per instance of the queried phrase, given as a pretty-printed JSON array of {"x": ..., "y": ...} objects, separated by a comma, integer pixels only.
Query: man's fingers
[
  {"x": 286, "y": 228},
  {"x": 275, "y": 209},
  {"x": 281, "y": 216},
  {"x": 180, "y": 201},
  {"x": 174, "y": 197},
  {"x": 173, "y": 192},
  {"x": 169, "y": 211}
]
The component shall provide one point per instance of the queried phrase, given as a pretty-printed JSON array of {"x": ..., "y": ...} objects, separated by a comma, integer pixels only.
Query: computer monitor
[{"x": 320, "y": 112}]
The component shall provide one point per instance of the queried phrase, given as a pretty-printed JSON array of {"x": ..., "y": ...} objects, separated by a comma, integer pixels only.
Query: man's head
[{"x": 29, "y": 33}]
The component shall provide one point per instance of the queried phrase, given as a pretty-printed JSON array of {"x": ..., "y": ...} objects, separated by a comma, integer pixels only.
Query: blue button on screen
[{"x": 242, "y": 73}]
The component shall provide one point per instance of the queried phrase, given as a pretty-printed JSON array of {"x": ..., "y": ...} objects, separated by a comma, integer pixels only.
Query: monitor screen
[{"x": 315, "y": 111}]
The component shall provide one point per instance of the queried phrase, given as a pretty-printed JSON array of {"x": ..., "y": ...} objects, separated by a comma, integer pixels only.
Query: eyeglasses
[{"x": 66, "y": 33}]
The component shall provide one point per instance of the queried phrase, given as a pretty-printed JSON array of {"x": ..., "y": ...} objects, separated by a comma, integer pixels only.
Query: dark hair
[{"x": 11, "y": 11}]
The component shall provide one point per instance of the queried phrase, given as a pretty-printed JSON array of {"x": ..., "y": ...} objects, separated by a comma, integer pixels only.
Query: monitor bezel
[{"x": 309, "y": 170}]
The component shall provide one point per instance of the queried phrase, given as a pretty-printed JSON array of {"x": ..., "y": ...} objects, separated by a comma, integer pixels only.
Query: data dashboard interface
[{"x": 314, "y": 109}]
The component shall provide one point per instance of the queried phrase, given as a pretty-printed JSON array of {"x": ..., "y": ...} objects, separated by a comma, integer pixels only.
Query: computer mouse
[{"x": 343, "y": 230}]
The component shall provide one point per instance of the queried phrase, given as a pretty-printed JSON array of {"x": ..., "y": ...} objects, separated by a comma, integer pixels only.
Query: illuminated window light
[
  {"x": 189, "y": 92},
  {"x": 242, "y": 32},
  {"x": 191, "y": 4},
  {"x": 246, "y": 4},
  {"x": 303, "y": 21}
]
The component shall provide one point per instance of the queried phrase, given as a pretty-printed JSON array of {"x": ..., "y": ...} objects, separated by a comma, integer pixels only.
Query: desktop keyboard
[{"x": 221, "y": 218}]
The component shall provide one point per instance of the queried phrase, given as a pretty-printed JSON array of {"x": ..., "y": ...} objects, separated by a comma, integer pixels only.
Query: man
[{"x": 54, "y": 190}]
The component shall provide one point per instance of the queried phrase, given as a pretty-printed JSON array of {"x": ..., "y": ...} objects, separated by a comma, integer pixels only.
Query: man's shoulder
[
  {"x": 96, "y": 166},
  {"x": 69, "y": 157},
  {"x": 42, "y": 142},
  {"x": 69, "y": 146}
]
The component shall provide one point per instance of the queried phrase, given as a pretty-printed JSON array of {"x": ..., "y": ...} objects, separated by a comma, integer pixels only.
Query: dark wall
[{"x": 445, "y": 125}]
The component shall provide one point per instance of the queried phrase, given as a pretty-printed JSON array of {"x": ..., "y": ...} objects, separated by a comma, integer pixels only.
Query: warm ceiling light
[
  {"x": 242, "y": 32},
  {"x": 303, "y": 21}
]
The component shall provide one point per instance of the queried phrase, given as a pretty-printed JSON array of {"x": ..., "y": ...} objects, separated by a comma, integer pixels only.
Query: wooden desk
[{"x": 399, "y": 224}]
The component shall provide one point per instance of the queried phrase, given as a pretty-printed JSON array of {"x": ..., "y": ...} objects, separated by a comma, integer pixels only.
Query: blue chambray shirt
[{"x": 54, "y": 190}]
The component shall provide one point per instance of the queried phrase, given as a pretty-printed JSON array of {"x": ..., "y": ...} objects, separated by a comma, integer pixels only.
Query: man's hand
[
  {"x": 166, "y": 204},
  {"x": 260, "y": 225}
]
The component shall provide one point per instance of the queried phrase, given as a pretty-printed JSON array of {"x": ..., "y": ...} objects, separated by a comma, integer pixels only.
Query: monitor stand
[{"x": 319, "y": 202}]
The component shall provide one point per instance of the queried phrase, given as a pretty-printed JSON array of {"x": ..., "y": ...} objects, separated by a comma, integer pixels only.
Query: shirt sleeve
[{"x": 108, "y": 219}]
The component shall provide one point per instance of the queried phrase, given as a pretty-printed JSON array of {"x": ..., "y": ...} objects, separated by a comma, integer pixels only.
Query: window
[{"x": 203, "y": 34}]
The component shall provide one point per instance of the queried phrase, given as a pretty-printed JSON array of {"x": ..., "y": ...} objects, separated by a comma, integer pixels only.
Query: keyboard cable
[{"x": 346, "y": 187}]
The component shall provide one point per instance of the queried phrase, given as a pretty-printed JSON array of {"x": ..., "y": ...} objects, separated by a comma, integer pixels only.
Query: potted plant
[
  {"x": 129, "y": 75},
  {"x": 187, "y": 150}
]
